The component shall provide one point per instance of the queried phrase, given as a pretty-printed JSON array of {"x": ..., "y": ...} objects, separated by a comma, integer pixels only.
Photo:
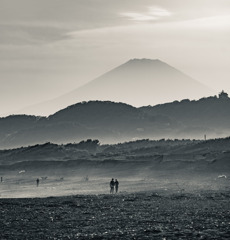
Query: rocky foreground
[{"x": 147, "y": 215}]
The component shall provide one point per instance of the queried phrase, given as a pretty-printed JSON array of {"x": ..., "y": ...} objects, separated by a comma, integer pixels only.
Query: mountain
[
  {"x": 137, "y": 82},
  {"x": 112, "y": 122},
  {"x": 209, "y": 115},
  {"x": 107, "y": 121}
]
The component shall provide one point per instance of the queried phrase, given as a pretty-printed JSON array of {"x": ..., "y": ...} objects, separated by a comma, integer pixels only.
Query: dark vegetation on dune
[{"x": 192, "y": 156}]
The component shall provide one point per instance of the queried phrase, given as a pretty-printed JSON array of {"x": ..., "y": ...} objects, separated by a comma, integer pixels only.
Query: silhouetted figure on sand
[
  {"x": 116, "y": 185},
  {"x": 1, "y": 179},
  {"x": 37, "y": 181},
  {"x": 112, "y": 186}
]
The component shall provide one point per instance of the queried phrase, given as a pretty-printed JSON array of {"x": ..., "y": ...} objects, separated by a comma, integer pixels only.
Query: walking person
[
  {"x": 116, "y": 183},
  {"x": 37, "y": 181},
  {"x": 112, "y": 186}
]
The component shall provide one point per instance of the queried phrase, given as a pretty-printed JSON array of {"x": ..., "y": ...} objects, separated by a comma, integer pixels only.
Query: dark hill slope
[
  {"x": 98, "y": 114},
  {"x": 107, "y": 121},
  {"x": 15, "y": 122},
  {"x": 208, "y": 115},
  {"x": 117, "y": 122}
]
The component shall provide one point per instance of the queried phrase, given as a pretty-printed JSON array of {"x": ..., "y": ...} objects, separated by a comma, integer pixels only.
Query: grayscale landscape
[
  {"x": 169, "y": 189},
  {"x": 114, "y": 119},
  {"x": 137, "y": 77}
]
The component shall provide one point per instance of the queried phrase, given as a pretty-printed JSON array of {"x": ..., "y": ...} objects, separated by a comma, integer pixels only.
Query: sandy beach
[{"x": 140, "y": 215}]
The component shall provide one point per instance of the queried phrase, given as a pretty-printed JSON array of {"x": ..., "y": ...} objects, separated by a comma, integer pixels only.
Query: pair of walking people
[{"x": 114, "y": 184}]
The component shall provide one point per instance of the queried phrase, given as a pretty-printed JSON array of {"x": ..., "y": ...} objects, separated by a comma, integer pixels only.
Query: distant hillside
[
  {"x": 209, "y": 115},
  {"x": 118, "y": 122},
  {"x": 107, "y": 121},
  {"x": 138, "y": 82}
]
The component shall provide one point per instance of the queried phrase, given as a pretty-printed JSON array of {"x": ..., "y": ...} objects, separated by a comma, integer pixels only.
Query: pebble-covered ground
[{"x": 143, "y": 215}]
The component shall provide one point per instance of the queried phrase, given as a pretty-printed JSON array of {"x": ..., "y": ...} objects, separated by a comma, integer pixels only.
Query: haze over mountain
[
  {"x": 112, "y": 122},
  {"x": 138, "y": 82}
]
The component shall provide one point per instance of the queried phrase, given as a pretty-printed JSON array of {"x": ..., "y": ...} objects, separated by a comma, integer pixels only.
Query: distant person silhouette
[
  {"x": 37, "y": 182},
  {"x": 112, "y": 186},
  {"x": 1, "y": 179},
  {"x": 116, "y": 183}
]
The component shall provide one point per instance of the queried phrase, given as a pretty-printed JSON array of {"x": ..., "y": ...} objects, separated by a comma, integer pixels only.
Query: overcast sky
[{"x": 49, "y": 47}]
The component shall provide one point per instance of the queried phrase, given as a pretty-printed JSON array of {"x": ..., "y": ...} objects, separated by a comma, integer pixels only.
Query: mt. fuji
[{"x": 138, "y": 82}]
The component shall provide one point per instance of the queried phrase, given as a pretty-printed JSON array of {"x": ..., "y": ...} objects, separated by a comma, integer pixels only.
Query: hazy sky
[{"x": 49, "y": 47}]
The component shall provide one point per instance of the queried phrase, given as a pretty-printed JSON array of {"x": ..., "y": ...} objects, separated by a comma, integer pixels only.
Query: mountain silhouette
[
  {"x": 138, "y": 82},
  {"x": 107, "y": 121},
  {"x": 112, "y": 122}
]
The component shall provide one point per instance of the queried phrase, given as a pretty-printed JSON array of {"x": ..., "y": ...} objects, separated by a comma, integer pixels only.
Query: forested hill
[
  {"x": 118, "y": 122},
  {"x": 212, "y": 112}
]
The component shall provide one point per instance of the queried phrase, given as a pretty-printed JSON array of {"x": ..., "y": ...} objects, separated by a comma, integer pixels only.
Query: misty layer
[{"x": 112, "y": 122}]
